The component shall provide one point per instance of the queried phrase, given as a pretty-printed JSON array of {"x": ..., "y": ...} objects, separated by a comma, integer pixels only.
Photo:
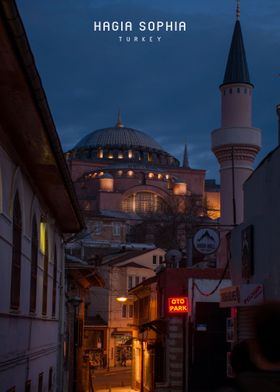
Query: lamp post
[{"x": 75, "y": 302}]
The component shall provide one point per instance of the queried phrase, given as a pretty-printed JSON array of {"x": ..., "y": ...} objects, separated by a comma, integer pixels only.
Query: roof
[
  {"x": 135, "y": 265},
  {"x": 30, "y": 136},
  {"x": 116, "y": 259},
  {"x": 118, "y": 137},
  {"x": 237, "y": 68}
]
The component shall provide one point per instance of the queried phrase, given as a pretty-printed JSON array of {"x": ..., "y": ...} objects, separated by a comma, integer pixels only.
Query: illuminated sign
[{"x": 178, "y": 305}]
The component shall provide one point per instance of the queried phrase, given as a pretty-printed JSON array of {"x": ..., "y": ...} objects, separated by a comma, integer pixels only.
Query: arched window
[
  {"x": 45, "y": 274},
  {"x": 34, "y": 264},
  {"x": 16, "y": 255},
  {"x": 54, "y": 283},
  {"x": 144, "y": 203}
]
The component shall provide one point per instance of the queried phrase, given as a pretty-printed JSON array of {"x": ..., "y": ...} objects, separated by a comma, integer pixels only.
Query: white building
[{"x": 37, "y": 206}]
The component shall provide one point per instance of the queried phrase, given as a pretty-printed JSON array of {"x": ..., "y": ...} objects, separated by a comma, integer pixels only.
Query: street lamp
[{"x": 122, "y": 298}]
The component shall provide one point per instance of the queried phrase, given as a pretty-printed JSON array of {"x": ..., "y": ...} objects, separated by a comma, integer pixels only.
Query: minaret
[
  {"x": 186, "y": 164},
  {"x": 236, "y": 143}
]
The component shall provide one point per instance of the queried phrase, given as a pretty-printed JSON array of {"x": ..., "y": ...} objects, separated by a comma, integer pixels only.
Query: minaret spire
[
  {"x": 186, "y": 164},
  {"x": 119, "y": 121},
  {"x": 237, "y": 69},
  {"x": 238, "y": 10}
]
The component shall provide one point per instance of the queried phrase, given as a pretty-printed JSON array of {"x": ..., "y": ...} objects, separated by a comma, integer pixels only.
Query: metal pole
[
  {"x": 75, "y": 353},
  {"x": 184, "y": 374}
]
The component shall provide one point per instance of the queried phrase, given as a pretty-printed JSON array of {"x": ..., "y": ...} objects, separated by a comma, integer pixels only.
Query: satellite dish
[{"x": 174, "y": 256}]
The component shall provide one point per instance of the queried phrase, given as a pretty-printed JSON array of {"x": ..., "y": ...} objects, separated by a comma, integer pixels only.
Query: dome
[
  {"x": 118, "y": 137},
  {"x": 121, "y": 144}
]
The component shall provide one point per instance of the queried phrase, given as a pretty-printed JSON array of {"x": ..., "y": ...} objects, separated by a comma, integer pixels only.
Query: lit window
[
  {"x": 120, "y": 155},
  {"x": 100, "y": 153},
  {"x": 151, "y": 175},
  {"x": 150, "y": 157},
  {"x": 130, "y": 154},
  {"x": 159, "y": 176},
  {"x": 110, "y": 155},
  {"x": 43, "y": 228},
  {"x": 167, "y": 176},
  {"x": 45, "y": 276},
  {"x": 16, "y": 255},
  {"x": 130, "y": 173},
  {"x": 144, "y": 203},
  {"x": 120, "y": 172}
]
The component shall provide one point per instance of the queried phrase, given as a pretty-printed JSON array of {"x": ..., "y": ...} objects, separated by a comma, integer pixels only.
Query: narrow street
[{"x": 117, "y": 379}]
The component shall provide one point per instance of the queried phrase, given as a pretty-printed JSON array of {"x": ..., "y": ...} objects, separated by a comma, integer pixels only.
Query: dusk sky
[{"x": 168, "y": 89}]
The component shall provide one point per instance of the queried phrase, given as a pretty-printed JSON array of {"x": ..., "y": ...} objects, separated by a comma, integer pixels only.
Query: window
[
  {"x": 230, "y": 90},
  {"x": 116, "y": 229},
  {"x": 160, "y": 259},
  {"x": 130, "y": 154},
  {"x": 124, "y": 310},
  {"x": 154, "y": 259},
  {"x": 130, "y": 282},
  {"x": 143, "y": 278},
  {"x": 16, "y": 255},
  {"x": 40, "y": 382},
  {"x": 137, "y": 280},
  {"x": 245, "y": 90},
  {"x": 238, "y": 90},
  {"x": 130, "y": 311},
  {"x": 50, "y": 383},
  {"x": 144, "y": 203},
  {"x": 97, "y": 227},
  {"x": 54, "y": 283},
  {"x": 34, "y": 264},
  {"x": 100, "y": 153},
  {"x": 45, "y": 276}
]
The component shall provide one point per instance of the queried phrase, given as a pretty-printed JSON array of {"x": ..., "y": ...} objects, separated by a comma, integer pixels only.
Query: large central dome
[
  {"x": 118, "y": 137},
  {"x": 121, "y": 144}
]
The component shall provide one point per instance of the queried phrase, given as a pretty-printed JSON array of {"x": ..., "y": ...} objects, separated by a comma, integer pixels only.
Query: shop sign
[
  {"x": 241, "y": 295},
  {"x": 177, "y": 305},
  {"x": 206, "y": 241}
]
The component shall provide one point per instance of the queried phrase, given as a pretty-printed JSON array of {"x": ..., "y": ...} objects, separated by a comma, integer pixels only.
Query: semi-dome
[{"x": 121, "y": 143}]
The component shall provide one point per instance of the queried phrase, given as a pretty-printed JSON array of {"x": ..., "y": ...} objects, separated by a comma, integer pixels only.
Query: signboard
[
  {"x": 242, "y": 295},
  {"x": 178, "y": 305},
  {"x": 206, "y": 241}
]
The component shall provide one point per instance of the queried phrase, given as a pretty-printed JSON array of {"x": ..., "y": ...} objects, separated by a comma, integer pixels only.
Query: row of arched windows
[{"x": 16, "y": 264}]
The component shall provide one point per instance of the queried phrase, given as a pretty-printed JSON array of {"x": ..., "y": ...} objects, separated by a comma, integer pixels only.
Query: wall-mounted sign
[
  {"x": 206, "y": 241},
  {"x": 178, "y": 305},
  {"x": 242, "y": 295}
]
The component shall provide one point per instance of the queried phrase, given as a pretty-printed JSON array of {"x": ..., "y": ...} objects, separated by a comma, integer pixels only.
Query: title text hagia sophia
[{"x": 142, "y": 26}]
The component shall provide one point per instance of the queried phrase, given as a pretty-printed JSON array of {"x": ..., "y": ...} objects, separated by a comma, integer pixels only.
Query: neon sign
[{"x": 178, "y": 305}]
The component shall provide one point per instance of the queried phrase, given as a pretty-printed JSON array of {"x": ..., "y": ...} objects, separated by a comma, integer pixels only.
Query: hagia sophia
[{"x": 123, "y": 175}]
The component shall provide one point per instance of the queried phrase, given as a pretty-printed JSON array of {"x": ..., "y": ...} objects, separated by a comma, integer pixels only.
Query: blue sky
[{"x": 167, "y": 89}]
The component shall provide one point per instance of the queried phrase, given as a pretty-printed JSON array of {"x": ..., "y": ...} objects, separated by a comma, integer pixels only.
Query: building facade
[{"x": 37, "y": 208}]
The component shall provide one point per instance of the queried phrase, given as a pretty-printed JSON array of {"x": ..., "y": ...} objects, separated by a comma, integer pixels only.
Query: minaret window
[
  {"x": 245, "y": 90},
  {"x": 130, "y": 154},
  {"x": 230, "y": 90},
  {"x": 238, "y": 90},
  {"x": 54, "y": 284},
  {"x": 110, "y": 155},
  {"x": 45, "y": 275}
]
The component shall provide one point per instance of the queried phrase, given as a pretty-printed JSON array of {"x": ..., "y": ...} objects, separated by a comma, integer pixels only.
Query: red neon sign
[{"x": 178, "y": 305}]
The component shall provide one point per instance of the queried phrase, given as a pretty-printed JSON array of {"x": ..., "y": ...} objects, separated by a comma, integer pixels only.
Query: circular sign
[{"x": 206, "y": 241}]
